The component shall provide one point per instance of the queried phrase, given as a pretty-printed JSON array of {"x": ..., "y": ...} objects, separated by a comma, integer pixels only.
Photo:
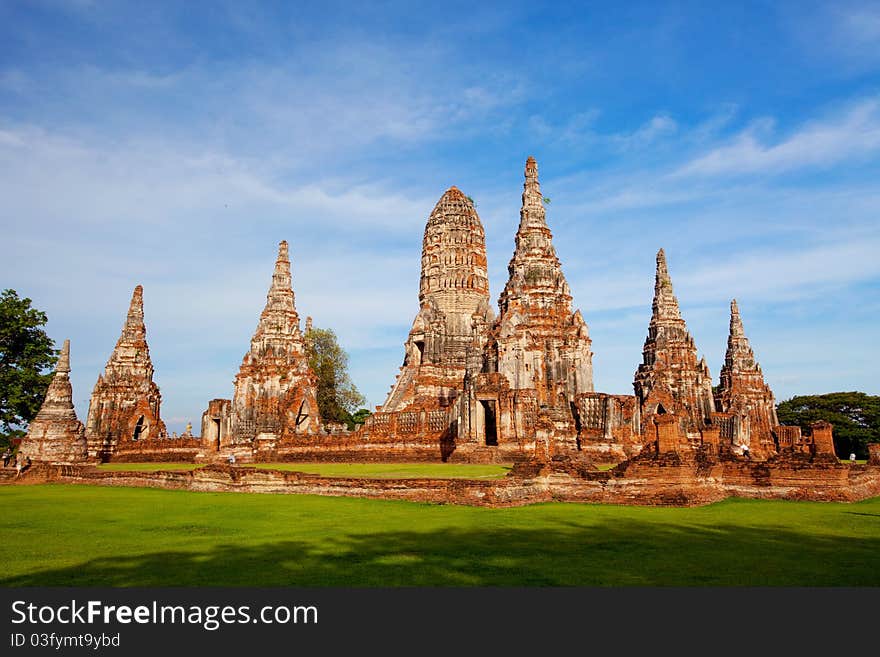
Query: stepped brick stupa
[
  {"x": 125, "y": 402},
  {"x": 472, "y": 386},
  {"x": 671, "y": 380},
  {"x": 56, "y": 435},
  {"x": 275, "y": 394},
  {"x": 536, "y": 325},
  {"x": 538, "y": 354},
  {"x": 451, "y": 327},
  {"x": 743, "y": 392}
]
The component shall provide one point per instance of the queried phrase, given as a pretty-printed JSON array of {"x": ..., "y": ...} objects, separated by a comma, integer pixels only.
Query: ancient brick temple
[
  {"x": 743, "y": 394},
  {"x": 671, "y": 380},
  {"x": 275, "y": 395},
  {"x": 479, "y": 388},
  {"x": 475, "y": 386},
  {"x": 472, "y": 386},
  {"x": 450, "y": 330},
  {"x": 538, "y": 357},
  {"x": 124, "y": 408},
  {"x": 56, "y": 435}
]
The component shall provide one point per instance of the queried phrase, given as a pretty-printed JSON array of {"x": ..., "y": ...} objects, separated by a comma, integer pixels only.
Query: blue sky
[{"x": 175, "y": 144}]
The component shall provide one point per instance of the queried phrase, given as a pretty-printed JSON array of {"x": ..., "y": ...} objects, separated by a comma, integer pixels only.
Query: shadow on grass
[{"x": 624, "y": 553}]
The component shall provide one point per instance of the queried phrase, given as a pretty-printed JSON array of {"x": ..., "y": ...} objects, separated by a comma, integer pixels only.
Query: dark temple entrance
[
  {"x": 217, "y": 429},
  {"x": 138, "y": 428},
  {"x": 489, "y": 422}
]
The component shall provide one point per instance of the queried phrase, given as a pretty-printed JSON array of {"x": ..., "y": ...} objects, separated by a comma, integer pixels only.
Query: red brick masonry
[{"x": 667, "y": 480}]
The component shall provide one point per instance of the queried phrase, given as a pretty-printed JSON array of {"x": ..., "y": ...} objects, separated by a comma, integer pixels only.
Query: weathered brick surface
[
  {"x": 668, "y": 480},
  {"x": 450, "y": 330},
  {"x": 275, "y": 396},
  {"x": 472, "y": 388},
  {"x": 874, "y": 454},
  {"x": 124, "y": 407},
  {"x": 56, "y": 435},
  {"x": 538, "y": 352},
  {"x": 671, "y": 379},
  {"x": 743, "y": 392}
]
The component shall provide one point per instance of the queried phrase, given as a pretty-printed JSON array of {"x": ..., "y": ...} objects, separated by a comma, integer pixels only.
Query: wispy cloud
[
  {"x": 581, "y": 129},
  {"x": 848, "y": 135},
  {"x": 656, "y": 128},
  {"x": 181, "y": 168}
]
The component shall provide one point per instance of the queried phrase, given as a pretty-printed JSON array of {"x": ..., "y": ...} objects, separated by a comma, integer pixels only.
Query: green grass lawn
[
  {"x": 394, "y": 470},
  {"x": 69, "y": 535}
]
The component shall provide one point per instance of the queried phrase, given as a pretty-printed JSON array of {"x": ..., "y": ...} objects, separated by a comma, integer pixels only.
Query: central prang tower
[{"x": 450, "y": 329}]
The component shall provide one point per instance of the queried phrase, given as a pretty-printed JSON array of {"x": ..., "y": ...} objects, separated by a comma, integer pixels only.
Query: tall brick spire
[
  {"x": 275, "y": 389},
  {"x": 533, "y": 212},
  {"x": 535, "y": 273},
  {"x": 131, "y": 355},
  {"x": 125, "y": 401},
  {"x": 278, "y": 327},
  {"x": 536, "y": 322},
  {"x": 55, "y": 434},
  {"x": 134, "y": 328},
  {"x": 665, "y": 305},
  {"x": 670, "y": 375},
  {"x": 736, "y": 324},
  {"x": 743, "y": 391}
]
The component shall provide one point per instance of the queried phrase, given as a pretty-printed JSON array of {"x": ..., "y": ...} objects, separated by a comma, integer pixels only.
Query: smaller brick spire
[
  {"x": 670, "y": 374},
  {"x": 58, "y": 403},
  {"x": 278, "y": 327},
  {"x": 281, "y": 291},
  {"x": 736, "y": 325},
  {"x": 63, "y": 366},
  {"x": 743, "y": 390},
  {"x": 665, "y": 304},
  {"x": 55, "y": 434},
  {"x": 134, "y": 327},
  {"x": 125, "y": 391},
  {"x": 533, "y": 211}
]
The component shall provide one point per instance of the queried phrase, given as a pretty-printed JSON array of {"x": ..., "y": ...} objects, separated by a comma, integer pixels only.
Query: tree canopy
[
  {"x": 855, "y": 416},
  {"x": 338, "y": 398},
  {"x": 27, "y": 355}
]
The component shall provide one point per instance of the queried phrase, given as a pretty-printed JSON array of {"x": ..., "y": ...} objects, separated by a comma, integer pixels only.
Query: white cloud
[
  {"x": 656, "y": 128},
  {"x": 848, "y": 135},
  {"x": 49, "y": 177},
  {"x": 580, "y": 129},
  {"x": 196, "y": 220}
]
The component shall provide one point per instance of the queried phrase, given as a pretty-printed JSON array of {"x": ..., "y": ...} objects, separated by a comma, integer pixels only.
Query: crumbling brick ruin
[
  {"x": 448, "y": 334},
  {"x": 743, "y": 394},
  {"x": 472, "y": 386},
  {"x": 537, "y": 360},
  {"x": 670, "y": 379},
  {"x": 275, "y": 395},
  {"x": 124, "y": 408},
  {"x": 56, "y": 435}
]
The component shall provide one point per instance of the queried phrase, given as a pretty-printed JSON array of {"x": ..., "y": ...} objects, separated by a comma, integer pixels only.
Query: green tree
[
  {"x": 360, "y": 416},
  {"x": 27, "y": 355},
  {"x": 337, "y": 395},
  {"x": 855, "y": 416}
]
